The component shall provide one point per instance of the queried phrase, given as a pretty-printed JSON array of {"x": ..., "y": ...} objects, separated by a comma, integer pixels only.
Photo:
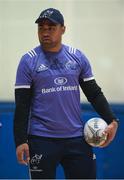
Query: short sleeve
[
  {"x": 86, "y": 70},
  {"x": 23, "y": 75}
]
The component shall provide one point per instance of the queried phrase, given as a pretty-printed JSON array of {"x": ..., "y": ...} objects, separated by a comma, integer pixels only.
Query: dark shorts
[{"x": 74, "y": 154}]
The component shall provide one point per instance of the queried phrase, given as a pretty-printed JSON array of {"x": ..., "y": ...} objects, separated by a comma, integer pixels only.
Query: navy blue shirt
[{"x": 54, "y": 79}]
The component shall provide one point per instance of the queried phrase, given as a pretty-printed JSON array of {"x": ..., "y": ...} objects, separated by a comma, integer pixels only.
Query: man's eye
[
  {"x": 40, "y": 28},
  {"x": 52, "y": 28}
]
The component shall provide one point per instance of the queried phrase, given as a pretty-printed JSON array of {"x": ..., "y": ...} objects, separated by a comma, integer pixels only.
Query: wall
[
  {"x": 110, "y": 160},
  {"x": 94, "y": 26}
]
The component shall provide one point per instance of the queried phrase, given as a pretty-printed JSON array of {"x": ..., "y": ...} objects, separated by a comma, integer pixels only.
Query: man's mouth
[{"x": 46, "y": 39}]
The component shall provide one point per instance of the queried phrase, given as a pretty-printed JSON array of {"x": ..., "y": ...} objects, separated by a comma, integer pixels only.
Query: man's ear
[{"x": 63, "y": 29}]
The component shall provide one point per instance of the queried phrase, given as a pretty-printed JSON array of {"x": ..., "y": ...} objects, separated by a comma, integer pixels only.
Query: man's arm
[
  {"x": 95, "y": 96},
  {"x": 21, "y": 116}
]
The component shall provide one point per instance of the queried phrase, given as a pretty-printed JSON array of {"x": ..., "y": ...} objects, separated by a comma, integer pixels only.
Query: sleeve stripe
[
  {"x": 88, "y": 79},
  {"x": 32, "y": 53},
  {"x": 22, "y": 86},
  {"x": 72, "y": 50}
]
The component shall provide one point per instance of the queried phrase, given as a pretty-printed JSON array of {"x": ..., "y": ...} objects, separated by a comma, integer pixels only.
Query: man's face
[{"x": 50, "y": 34}]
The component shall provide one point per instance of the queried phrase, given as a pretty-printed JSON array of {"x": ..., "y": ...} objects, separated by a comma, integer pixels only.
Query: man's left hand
[{"x": 111, "y": 132}]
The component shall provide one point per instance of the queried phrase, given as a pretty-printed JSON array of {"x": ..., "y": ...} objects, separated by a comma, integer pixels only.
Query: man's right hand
[{"x": 22, "y": 153}]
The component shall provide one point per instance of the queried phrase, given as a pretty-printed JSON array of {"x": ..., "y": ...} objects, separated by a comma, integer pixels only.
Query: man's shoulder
[
  {"x": 32, "y": 53},
  {"x": 76, "y": 54},
  {"x": 72, "y": 50},
  {"x": 30, "y": 58}
]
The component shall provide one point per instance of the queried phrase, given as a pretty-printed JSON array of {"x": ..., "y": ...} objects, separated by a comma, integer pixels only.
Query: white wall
[{"x": 94, "y": 26}]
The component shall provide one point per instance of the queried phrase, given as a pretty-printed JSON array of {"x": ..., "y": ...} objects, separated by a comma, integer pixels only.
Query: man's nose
[{"x": 46, "y": 31}]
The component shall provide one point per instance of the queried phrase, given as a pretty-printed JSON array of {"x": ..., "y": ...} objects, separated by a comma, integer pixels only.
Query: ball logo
[
  {"x": 60, "y": 81},
  {"x": 94, "y": 131}
]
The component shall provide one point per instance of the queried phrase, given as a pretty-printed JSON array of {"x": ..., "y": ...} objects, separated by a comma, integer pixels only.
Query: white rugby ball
[{"x": 94, "y": 131}]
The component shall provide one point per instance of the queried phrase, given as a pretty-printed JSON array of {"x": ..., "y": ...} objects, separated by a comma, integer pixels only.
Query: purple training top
[{"x": 54, "y": 78}]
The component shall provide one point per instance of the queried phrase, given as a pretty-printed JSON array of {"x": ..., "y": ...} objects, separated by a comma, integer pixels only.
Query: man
[{"x": 48, "y": 128}]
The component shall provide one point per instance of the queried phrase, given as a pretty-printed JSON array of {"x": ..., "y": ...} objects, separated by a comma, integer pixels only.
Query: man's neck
[{"x": 52, "y": 49}]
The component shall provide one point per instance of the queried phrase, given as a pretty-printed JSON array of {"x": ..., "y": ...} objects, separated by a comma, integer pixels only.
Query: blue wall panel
[
  {"x": 110, "y": 160},
  {"x": 9, "y": 168}
]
